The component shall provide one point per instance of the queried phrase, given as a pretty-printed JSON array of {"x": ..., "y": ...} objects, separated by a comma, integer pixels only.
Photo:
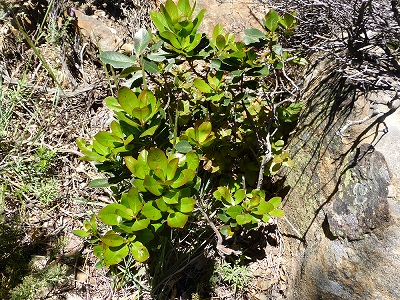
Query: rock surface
[{"x": 344, "y": 198}]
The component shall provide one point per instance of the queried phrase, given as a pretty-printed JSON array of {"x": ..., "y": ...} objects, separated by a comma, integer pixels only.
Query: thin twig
[{"x": 222, "y": 250}]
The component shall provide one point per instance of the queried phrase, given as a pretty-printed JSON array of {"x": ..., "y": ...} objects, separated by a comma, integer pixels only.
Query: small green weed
[{"x": 235, "y": 276}]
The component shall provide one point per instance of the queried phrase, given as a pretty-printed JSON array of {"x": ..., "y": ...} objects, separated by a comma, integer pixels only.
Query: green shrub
[{"x": 198, "y": 126}]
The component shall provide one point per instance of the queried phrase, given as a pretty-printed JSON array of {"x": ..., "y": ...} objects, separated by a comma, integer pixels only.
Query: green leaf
[
  {"x": 263, "y": 208},
  {"x": 151, "y": 212},
  {"x": 171, "y": 197},
  {"x": 183, "y": 147},
  {"x": 149, "y": 132},
  {"x": 161, "y": 204},
  {"x": 252, "y": 35},
  {"x": 184, "y": 7},
  {"x": 198, "y": 19},
  {"x": 139, "y": 168},
  {"x": 171, "y": 168},
  {"x": 277, "y": 213},
  {"x": 99, "y": 148},
  {"x": 98, "y": 251},
  {"x": 114, "y": 255},
  {"x": 255, "y": 200},
  {"x": 113, "y": 214},
  {"x": 107, "y": 139},
  {"x": 271, "y": 20},
  {"x": 112, "y": 104},
  {"x": 116, "y": 59},
  {"x": 204, "y": 130},
  {"x": 81, "y": 233},
  {"x": 184, "y": 177},
  {"x": 226, "y": 230},
  {"x": 116, "y": 129},
  {"x": 266, "y": 218},
  {"x": 234, "y": 211},
  {"x": 145, "y": 235},
  {"x": 223, "y": 217},
  {"x": 177, "y": 220},
  {"x": 192, "y": 160},
  {"x": 141, "y": 40},
  {"x": 157, "y": 159},
  {"x": 276, "y": 201},
  {"x": 202, "y": 86},
  {"x": 140, "y": 224},
  {"x": 139, "y": 251},
  {"x": 171, "y": 38},
  {"x": 243, "y": 219},
  {"x": 151, "y": 67},
  {"x": 99, "y": 183},
  {"x": 218, "y": 30},
  {"x": 132, "y": 200},
  {"x": 277, "y": 48},
  {"x": 128, "y": 100},
  {"x": 112, "y": 239},
  {"x": 186, "y": 205},
  {"x": 172, "y": 10},
  {"x": 239, "y": 196},
  {"x": 159, "y": 20},
  {"x": 289, "y": 20},
  {"x": 152, "y": 185},
  {"x": 222, "y": 193},
  {"x": 194, "y": 42}
]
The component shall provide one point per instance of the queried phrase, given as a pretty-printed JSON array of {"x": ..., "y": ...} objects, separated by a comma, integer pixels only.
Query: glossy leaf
[
  {"x": 263, "y": 208},
  {"x": 149, "y": 132},
  {"x": 114, "y": 255},
  {"x": 171, "y": 168},
  {"x": 107, "y": 139},
  {"x": 234, "y": 211},
  {"x": 113, "y": 214},
  {"x": 112, "y": 239},
  {"x": 252, "y": 35},
  {"x": 140, "y": 224},
  {"x": 186, "y": 205},
  {"x": 157, "y": 159},
  {"x": 151, "y": 212},
  {"x": 128, "y": 100},
  {"x": 139, "y": 251},
  {"x": 192, "y": 160},
  {"x": 171, "y": 197},
  {"x": 204, "y": 130},
  {"x": 276, "y": 201},
  {"x": 177, "y": 220},
  {"x": 184, "y": 177},
  {"x": 202, "y": 86},
  {"x": 132, "y": 200},
  {"x": 152, "y": 185},
  {"x": 243, "y": 219},
  {"x": 184, "y": 7},
  {"x": 113, "y": 104}
]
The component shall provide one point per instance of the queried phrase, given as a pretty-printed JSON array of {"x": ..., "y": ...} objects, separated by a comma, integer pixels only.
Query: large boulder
[{"x": 343, "y": 205}]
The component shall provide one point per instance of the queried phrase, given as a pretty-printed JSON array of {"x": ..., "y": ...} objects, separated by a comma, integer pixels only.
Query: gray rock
[{"x": 343, "y": 198}]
